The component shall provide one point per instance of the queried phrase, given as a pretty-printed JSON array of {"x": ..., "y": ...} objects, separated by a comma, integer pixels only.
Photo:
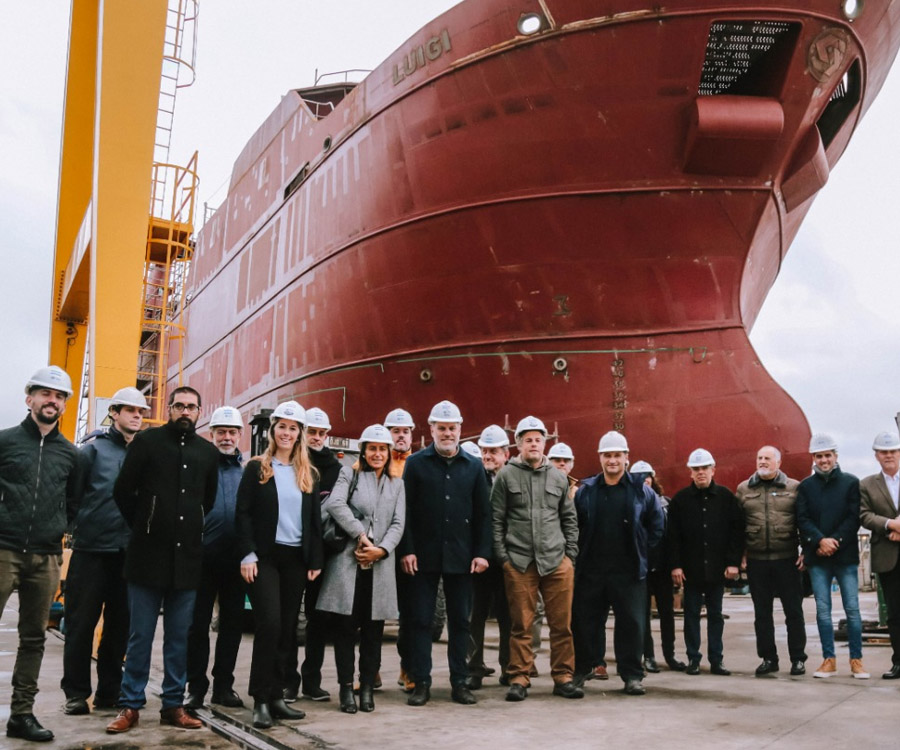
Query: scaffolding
[{"x": 170, "y": 231}]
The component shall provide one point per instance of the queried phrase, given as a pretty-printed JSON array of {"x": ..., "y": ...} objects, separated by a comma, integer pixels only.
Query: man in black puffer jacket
[{"x": 38, "y": 496}]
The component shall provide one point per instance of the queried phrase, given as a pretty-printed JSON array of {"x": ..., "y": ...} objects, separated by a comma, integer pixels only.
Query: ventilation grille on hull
[{"x": 747, "y": 58}]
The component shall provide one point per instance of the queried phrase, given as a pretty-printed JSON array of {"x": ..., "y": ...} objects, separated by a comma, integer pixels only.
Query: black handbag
[{"x": 334, "y": 538}]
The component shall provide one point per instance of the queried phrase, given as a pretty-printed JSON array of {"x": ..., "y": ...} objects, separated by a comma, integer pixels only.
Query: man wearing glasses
[{"x": 166, "y": 486}]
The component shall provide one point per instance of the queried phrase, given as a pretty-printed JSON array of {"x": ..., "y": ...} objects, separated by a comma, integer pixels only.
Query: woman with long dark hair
[
  {"x": 279, "y": 530},
  {"x": 360, "y": 584}
]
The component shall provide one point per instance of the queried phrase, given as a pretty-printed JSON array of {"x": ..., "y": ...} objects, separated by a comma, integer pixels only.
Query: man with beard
[
  {"x": 310, "y": 675},
  {"x": 94, "y": 582},
  {"x": 166, "y": 487},
  {"x": 447, "y": 538},
  {"x": 221, "y": 575},
  {"x": 38, "y": 486},
  {"x": 401, "y": 425}
]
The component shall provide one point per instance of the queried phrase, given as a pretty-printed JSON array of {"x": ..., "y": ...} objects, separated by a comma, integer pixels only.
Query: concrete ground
[{"x": 740, "y": 711}]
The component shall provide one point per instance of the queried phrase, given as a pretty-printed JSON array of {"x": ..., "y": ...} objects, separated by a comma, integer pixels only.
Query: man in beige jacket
[{"x": 879, "y": 514}]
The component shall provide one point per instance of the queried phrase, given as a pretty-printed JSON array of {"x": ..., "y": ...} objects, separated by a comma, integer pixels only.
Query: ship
[{"x": 568, "y": 208}]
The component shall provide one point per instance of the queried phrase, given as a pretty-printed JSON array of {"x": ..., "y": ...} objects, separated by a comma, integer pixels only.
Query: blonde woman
[{"x": 280, "y": 536}]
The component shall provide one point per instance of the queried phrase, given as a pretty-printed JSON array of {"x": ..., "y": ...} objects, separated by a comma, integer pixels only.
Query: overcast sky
[{"x": 828, "y": 331}]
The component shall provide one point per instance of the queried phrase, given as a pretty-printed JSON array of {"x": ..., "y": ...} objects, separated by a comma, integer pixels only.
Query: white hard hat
[
  {"x": 129, "y": 396},
  {"x": 493, "y": 436},
  {"x": 226, "y": 416},
  {"x": 886, "y": 441},
  {"x": 700, "y": 457},
  {"x": 51, "y": 377},
  {"x": 821, "y": 442},
  {"x": 377, "y": 433},
  {"x": 561, "y": 450},
  {"x": 315, "y": 417},
  {"x": 445, "y": 411},
  {"x": 613, "y": 442},
  {"x": 289, "y": 410},
  {"x": 641, "y": 467},
  {"x": 472, "y": 449},
  {"x": 529, "y": 424},
  {"x": 399, "y": 418}
]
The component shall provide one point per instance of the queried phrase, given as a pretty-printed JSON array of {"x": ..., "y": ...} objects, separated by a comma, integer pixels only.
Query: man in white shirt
[{"x": 879, "y": 513}]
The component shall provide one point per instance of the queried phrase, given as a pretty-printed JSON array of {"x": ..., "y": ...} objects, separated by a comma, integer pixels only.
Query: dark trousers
[
  {"x": 695, "y": 594},
  {"x": 275, "y": 596},
  {"x": 489, "y": 591},
  {"x": 35, "y": 577},
  {"x": 782, "y": 579},
  {"x": 221, "y": 578},
  {"x": 890, "y": 589},
  {"x": 423, "y": 595},
  {"x": 659, "y": 586},
  {"x": 94, "y": 585},
  {"x": 595, "y": 595},
  {"x": 346, "y": 629},
  {"x": 318, "y": 627},
  {"x": 404, "y": 601}
]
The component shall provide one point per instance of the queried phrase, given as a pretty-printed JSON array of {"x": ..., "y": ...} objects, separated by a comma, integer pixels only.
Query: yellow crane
[{"x": 125, "y": 216}]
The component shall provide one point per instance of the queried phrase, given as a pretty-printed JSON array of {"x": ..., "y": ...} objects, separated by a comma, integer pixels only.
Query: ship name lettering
[{"x": 419, "y": 56}]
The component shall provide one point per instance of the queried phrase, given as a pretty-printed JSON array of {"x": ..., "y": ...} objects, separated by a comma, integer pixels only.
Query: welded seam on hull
[
  {"x": 698, "y": 355},
  {"x": 692, "y": 350}
]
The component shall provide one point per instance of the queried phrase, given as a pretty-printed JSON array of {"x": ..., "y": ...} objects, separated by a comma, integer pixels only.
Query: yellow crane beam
[{"x": 112, "y": 94}]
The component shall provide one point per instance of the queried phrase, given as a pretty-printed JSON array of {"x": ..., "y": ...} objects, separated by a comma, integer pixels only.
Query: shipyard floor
[{"x": 740, "y": 711}]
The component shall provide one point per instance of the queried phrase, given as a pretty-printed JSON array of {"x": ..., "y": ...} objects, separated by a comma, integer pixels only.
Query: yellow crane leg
[{"x": 112, "y": 96}]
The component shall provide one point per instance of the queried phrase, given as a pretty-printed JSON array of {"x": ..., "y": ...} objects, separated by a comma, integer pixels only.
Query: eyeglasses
[{"x": 189, "y": 408}]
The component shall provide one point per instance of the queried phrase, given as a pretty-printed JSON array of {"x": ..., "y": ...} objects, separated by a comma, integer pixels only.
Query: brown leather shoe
[
  {"x": 178, "y": 717},
  {"x": 127, "y": 718}
]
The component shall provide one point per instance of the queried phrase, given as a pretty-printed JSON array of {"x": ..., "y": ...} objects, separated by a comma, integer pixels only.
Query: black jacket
[
  {"x": 828, "y": 506},
  {"x": 39, "y": 478},
  {"x": 257, "y": 518},
  {"x": 165, "y": 487},
  {"x": 706, "y": 532},
  {"x": 99, "y": 526},
  {"x": 644, "y": 525},
  {"x": 329, "y": 468},
  {"x": 448, "y": 512}
]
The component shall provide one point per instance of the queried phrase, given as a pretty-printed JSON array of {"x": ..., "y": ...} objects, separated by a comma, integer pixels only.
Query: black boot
[
  {"x": 348, "y": 700},
  {"x": 262, "y": 716},
  {"x": 674, "y": 664},
  {"x": 281, "y": 710},
  {"x": 366, "y": 699}
]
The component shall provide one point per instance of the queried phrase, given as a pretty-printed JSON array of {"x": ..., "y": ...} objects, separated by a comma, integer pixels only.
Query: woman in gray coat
[{"x": 360, "y": 584}]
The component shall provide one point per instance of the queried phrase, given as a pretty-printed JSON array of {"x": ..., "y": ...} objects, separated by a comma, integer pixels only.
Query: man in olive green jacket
[
  {"x": 769, "y": 500},
  {"x": 536, "y": 540}
]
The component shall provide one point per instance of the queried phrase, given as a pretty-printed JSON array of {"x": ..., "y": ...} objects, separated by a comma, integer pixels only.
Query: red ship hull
[{"x": 580, "y": 224}]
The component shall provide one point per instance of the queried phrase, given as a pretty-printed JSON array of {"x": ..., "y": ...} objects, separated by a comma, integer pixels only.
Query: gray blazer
[
  {"x": 382, "y": 505},
  {"x": 875, "y": 508}
]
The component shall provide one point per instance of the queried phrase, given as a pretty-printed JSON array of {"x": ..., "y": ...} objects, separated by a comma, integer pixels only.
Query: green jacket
[
  {"x": 770, "y": 517},
  {"x": 534, "y": 518}
]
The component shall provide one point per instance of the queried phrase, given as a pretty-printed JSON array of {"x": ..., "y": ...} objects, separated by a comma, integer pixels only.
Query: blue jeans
[
  {"x": 143, "y": 605},
  {"x": 820, "y": 575}
]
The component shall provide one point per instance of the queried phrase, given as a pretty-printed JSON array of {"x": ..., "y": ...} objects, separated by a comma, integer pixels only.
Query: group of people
[{"x": 162, "y": 518}]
